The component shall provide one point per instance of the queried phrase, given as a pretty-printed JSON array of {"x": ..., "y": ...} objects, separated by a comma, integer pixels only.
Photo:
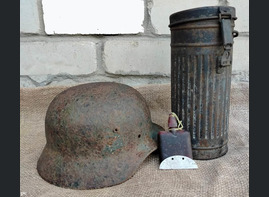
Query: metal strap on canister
[{"x": 225, "y": 18}]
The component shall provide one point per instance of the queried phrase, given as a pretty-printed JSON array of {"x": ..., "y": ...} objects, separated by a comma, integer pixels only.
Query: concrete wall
[{"x": 66, "y": 42}]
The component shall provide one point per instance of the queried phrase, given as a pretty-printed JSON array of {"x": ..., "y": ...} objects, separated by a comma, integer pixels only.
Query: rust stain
[
  {"x": 97, "y": 136},
  {"x": 200, "y": 93}
]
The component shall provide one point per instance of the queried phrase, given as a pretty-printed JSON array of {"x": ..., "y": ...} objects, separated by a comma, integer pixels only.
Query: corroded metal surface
[
  {"x": 175, "y": 141},
  {"x": 97, "y": 136},
  {"x": 201, "y": 76}
]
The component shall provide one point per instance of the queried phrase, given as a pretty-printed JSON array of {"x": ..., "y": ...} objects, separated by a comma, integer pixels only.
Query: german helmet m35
[{"x": 97, "y": 136}]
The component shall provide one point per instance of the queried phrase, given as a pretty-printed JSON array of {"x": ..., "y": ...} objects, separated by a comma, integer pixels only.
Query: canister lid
[{"x": 201, "y": 13}]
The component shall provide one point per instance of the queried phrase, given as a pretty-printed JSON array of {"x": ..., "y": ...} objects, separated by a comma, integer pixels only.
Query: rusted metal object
[
  {"x": 97, "y": 136},
  {"x": 201, "y": 65},
  {"x": 175, "y": 141},
  {"x": 175, "y": 146}
]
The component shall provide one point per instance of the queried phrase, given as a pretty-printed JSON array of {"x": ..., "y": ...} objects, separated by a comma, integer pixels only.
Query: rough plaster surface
[
  {"x": 242, "y": 13},
  {"x": 161, "y": 10},
  {"x": 29, "y": 17},
  {"x": 54, "y": 57},
  {"x": 138, "y": 57},
  {"x": 241, "y": 53},
  {"x": 58, "y": 80},
  {"x": 93, "y": 17}
]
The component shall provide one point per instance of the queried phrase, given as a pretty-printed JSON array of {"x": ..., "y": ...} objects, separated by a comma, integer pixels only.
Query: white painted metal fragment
[{"x": 178, "y": 162}]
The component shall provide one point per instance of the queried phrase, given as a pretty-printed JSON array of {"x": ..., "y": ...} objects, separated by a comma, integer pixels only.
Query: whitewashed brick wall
[
  {"x": 138, "y": 56},
  {"x": 55, "y": 56},
  {"x": 67, "y": 42},
  {"x": 29, "y": 17},
  {"x": 161, "y": 11}
]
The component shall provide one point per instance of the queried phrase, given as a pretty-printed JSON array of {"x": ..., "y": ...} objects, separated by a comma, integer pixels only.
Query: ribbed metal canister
[{"x": 201, "y": 65}]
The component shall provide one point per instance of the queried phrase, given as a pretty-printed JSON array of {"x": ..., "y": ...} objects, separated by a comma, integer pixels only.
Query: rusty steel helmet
[{"x": 97, "y": 136}]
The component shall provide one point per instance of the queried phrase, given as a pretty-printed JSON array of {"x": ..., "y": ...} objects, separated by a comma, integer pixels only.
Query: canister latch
[{"x": 228, "y": 34}]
